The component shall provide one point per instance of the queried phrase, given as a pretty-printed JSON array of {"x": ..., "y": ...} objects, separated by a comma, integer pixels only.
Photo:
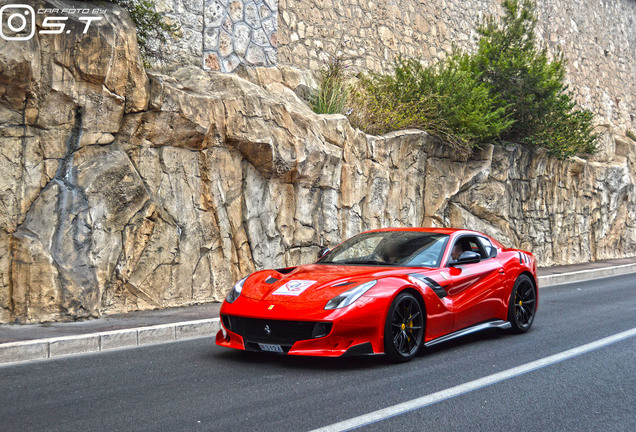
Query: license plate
[{"x": 271, "y": 348}]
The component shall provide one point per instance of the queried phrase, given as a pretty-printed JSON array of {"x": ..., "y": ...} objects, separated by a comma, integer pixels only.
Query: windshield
[{"x": 390, "y": 248}]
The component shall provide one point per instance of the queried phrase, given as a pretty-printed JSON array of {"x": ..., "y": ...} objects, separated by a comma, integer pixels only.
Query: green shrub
[
  {"x": 509, "y": 89},
  {"x": 529, "y": 85},
  {"x": 382, "y": 103},
  {"x": 630, "y": 134},
  {"x": 445, "y": 100},
  {"x": 464, "y": 105},
  {"x": 332, "y": 94}
]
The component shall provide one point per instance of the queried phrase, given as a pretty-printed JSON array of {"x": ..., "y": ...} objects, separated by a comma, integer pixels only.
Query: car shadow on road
[
  {"x": 248, "y": 358},
  {"x": 346, "y": 363},
  {"x": 475, "y": 339}
]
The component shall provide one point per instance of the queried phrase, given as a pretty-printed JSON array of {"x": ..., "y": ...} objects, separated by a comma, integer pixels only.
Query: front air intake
[{"x": 281, "y": 332}]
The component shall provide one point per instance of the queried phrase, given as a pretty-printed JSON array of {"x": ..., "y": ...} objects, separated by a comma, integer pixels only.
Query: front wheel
[
  {"x": 523, "y": 304},
  {"x": 404, "y": 328}
]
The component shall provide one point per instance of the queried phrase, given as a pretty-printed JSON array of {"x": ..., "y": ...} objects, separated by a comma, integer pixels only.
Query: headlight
[
  {"x": 348, "y": 297},
  {"x": 235, "y": 292}
]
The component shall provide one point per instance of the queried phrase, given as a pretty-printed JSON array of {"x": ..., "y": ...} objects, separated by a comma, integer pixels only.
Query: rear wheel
[
  {"x": 523, "y": 304},
  {"x": 404, "y": 328}
]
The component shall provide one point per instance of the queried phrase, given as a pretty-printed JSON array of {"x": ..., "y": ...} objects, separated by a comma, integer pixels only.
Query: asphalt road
[{"x": 195, "y": 385}]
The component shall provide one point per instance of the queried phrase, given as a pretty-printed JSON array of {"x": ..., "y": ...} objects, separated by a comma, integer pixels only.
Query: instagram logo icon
[{"x": 17, "y": 22}]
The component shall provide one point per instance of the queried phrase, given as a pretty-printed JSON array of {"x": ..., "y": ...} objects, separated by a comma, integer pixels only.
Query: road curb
[
  {"x": 585, "y": 275},
  {"x": 42, "y": 349}
]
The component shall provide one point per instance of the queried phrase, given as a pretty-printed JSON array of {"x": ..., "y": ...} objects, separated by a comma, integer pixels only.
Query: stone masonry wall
[
  {"x": 219, "y": 35},
  {"x": 239, "y": 32},
  {"x": 597, "y": 37},
  {"x": 185, "y": 47}
]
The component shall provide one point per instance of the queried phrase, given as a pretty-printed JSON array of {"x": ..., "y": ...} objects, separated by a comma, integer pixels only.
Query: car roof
[{"x": 448, "y": 231}]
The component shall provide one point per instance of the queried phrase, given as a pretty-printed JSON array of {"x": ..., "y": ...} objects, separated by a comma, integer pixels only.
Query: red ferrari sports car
[{"x": 386, "y": 291}]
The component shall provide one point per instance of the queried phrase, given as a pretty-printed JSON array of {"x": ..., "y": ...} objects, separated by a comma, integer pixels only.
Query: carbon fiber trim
[
  {"x": 500, "y": 324},
  {"x": 437, "y": 288}
]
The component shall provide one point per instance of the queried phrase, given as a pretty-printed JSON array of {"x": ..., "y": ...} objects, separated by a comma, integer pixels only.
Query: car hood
[{"x": 312, "y": 283}]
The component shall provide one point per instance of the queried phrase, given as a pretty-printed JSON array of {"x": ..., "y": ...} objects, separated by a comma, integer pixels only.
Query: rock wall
[
  {"x": 597, "y": 38},
  {"x": 123, "y": 190}
]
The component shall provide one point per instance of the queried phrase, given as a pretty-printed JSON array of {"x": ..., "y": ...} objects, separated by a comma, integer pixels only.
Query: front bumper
[{"x": 355, "y": 329}]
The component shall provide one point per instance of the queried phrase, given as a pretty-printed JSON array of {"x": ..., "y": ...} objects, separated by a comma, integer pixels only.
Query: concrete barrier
[
  {"x": 24, "y": 351},
  {"x": 118, "y": 339},
  {"x": 585, "y": 275},
  {"x": 68, "y": 345},
  {"x": 41, "y": 349}
]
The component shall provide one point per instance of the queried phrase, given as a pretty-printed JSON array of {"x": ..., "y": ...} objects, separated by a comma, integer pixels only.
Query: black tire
[
  {"x": 404, "y": 328},
  {"x": 522, "y": 305}
]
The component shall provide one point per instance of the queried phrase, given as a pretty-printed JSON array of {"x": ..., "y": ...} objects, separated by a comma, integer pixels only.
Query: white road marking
[{"x": 430, "y": 399}]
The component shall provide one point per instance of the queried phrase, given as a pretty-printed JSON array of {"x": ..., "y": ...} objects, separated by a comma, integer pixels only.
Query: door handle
[{"x": 502, "y": 271}]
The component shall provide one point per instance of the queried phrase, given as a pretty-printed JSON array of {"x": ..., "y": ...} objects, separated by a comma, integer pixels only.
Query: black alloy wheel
[
  {"x": 523, "y": 304},
  {"x": 404, "y": 328}
]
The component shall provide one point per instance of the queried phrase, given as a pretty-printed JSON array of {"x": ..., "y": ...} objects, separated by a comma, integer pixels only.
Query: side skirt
[{"x": 500, "y": 324}]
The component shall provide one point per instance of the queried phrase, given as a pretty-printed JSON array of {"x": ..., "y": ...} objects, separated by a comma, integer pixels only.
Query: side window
[
  {"x": 464, "y": 244},
  {"x": 489, "y": 249},
  {"x": 475, "y": 247}
]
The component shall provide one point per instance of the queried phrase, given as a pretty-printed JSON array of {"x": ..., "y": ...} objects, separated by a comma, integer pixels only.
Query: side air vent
[
  {"x": 437, "y": 288},
  {"x": 523, "y": 258}
]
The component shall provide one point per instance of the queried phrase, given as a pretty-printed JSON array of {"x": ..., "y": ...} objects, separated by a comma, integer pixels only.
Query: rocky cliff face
[{"x": 121, "y": 190}]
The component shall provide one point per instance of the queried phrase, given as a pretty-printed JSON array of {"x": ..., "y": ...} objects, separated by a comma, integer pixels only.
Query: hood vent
[{"x": 286, "y": 270}]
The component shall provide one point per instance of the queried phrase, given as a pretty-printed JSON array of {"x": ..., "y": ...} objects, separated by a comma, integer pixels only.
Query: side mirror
[
  {"x": 323, "y": 252},
  {"x": 468, "y": 257}
]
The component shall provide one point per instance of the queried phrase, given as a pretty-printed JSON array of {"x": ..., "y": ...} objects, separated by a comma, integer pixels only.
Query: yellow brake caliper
[{"x": 410, "y": 325}]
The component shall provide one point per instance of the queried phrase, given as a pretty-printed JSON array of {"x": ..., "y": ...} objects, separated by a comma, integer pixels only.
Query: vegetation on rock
[
  {"x": 332, "y": 93},
  {"x": 509, "y": 89},
  {"x": 149, "y": 23},
  {"x": 445, "y": 100}
]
